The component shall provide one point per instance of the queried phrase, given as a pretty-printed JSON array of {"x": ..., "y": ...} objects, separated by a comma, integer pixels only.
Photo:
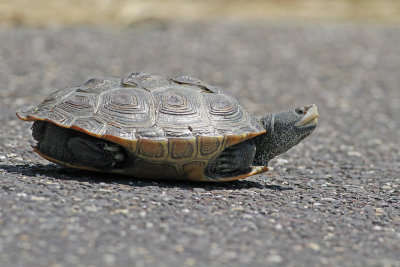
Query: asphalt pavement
[{"x": 333, "y": 200}]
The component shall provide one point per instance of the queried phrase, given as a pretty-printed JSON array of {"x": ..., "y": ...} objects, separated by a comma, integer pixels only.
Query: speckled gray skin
[{"x": 282, "y": 134}]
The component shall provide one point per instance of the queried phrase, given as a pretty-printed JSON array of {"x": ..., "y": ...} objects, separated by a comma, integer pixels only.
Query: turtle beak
[{"x": 310, "y": 117}]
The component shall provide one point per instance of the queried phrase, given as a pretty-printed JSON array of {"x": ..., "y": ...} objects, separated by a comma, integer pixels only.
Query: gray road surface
[{"x": 333, "y": 200}]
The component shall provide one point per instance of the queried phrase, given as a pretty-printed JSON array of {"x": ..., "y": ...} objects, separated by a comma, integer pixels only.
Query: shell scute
[
  {"x": 209, "y": 146},
  {"x": 152, "y": 149},
  {"x": 182, "y": 148},
  {"x": 226, "y": 114},
  {"x": 59, "y": 116},
  {"x": 78, "y": 104},
  {"x": 179, "y": 108},
  {"x": 127, "y": 108}
]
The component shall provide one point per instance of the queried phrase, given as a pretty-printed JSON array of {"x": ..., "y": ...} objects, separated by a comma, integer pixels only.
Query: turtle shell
[{"x": 171, "y": 127}]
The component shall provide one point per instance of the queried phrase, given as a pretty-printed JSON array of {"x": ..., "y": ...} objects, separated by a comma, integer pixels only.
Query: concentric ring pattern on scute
[
  {"x": 226, "y": 113},
  {"x": 76, "y": 104},
  {"x": 127, "y": 107},
  {"x": 179, "y": 108},
  {"x": 79, "y": 104}
]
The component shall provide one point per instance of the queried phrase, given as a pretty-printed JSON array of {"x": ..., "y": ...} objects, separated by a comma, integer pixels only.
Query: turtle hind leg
[
  {"x": 77, "y": 149},
  {"x": 233, "y": 160},
  {"x": 93, "y": 152}
]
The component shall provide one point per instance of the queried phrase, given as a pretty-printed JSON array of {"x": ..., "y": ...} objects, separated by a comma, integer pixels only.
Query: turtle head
[{"x": 283, "y": 131}]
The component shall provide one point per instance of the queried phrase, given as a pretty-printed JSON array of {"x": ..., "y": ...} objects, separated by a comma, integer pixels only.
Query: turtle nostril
[{"x": 301, "y": 110}]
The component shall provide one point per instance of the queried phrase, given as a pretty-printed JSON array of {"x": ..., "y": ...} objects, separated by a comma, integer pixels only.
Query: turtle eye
[{"x": 300, "y": 110}]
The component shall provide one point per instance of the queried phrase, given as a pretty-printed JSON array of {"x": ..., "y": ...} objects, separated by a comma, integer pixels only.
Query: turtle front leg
[
  {"x": 89, "y": 151},
  {"x": 233, "y": 160}
]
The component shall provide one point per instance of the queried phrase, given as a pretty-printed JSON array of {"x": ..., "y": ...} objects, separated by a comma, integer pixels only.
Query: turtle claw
[
  {"x": 119, "y": 157},
  {"x": 111, "y": 148},
  {"x": 225, "y": 159},
  {"x": 225, "y": 168}
]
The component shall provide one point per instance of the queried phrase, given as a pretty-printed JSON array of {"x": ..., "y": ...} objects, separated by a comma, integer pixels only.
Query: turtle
[{"x": 151, "y": 127}]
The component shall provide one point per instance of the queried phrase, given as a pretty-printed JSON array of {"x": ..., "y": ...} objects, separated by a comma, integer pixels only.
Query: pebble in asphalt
[{"x": 332, "y": 200}]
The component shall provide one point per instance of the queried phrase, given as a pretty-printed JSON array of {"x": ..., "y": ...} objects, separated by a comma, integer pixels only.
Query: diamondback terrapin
[{"x": 150, "y": 127}]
